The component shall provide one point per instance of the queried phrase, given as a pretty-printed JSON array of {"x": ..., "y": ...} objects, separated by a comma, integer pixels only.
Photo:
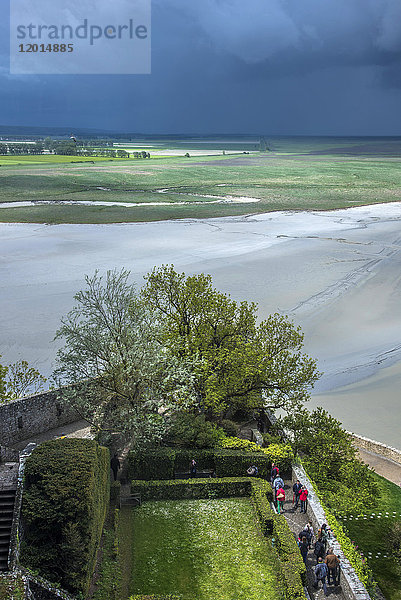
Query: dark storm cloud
[
  {"x": 309, "y": 32},
  {"x": 303, "y": 66}
]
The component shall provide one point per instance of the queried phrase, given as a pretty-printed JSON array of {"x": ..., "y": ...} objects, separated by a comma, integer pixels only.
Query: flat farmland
[{"x": 296, "y": 176}]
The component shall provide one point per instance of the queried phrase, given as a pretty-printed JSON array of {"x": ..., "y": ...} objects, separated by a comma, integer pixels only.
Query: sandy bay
[{"x": 337, "y": 274}]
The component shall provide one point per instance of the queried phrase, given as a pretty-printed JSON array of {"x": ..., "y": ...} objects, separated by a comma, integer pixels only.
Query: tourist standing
[
  {"x": 303, "y": 547},
  {"x": 277, "y": 483},
  {"x": 280, "y": 499},
  {"x": 333, "y": 564},
  {"x": 321, "y": 574},
  {"x": 296, "y": 488},
  {"x": 115, "y": 466},
  {"x": 274, "y": 472},
  {"x": 310, "y": 534},
  {"x": 192, "y": 468},
  {"x": 303, "y": 496}
]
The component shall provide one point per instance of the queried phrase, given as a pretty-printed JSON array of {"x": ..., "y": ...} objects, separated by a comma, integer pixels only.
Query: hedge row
[
  {"x": 64, "y": 507},
  {"x": 180, "y": 489},
  {"x": 293, "y": 569},
  {"x": 169, "y": 597},
  {"x": 163, "y": 462}
]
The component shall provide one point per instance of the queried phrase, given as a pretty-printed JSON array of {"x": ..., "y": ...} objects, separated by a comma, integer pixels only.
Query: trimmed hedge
[
  {"x": 169, "y": 597},
  {"x": 204, "y": 458},
  {"x": 180, "y": 489},
  {"x": 161, "y": 463},
  {"x": 154, "y": 463},
  {"x": 64, "y": 508}
]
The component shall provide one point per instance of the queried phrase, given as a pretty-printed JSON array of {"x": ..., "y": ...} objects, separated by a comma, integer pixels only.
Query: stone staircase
[{"x": 7, "y": 500}]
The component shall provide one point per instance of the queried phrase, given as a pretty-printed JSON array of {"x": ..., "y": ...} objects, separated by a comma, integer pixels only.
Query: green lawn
[
  {"x": 201, "y": 549},
  {"x": 371, "y": 536}
]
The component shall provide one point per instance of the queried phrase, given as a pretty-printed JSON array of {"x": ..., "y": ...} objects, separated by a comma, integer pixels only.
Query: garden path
[{"x": 297, "y": 522}]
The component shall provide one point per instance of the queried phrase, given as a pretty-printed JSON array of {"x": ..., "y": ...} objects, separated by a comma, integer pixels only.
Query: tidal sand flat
[{"x": 337, "y": 274}]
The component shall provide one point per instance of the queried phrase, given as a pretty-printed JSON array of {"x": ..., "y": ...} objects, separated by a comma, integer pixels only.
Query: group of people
[
  {"x": 327, "y": 563},
  {"x": 300, "y": 496}
]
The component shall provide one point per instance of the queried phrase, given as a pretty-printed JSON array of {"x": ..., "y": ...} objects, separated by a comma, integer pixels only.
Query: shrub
[
  {"x": 280, "y": 454},
  {"x": 261, "y": 495},
  {"x": 193, "y": 431},
  {"x": 161, "y": 463},
  {"x": 157, "y": 463},
  {"x": 169, "y": 597},
  {"x": 192, "y": 488},
  {"x": 234, "y": 463},
  {"x": 115, "y": 492},
  {"x": 230, "y": 428},
  {"x": 64, "y": 507},
  {"x": 204, "y": 459}
]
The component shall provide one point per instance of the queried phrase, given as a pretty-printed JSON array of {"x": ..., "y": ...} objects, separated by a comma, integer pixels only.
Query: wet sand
[{"x": 337, "y": 274}]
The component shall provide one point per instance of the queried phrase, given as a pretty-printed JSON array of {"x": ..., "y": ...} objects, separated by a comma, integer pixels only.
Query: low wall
[
  {"x": 352, "y": 587},
  {"x": 20, "y": 419},
  {"x": 376, "y": 447}
]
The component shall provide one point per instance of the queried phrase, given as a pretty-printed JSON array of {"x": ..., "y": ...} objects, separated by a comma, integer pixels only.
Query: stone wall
[
  {"x": 20, "y": 419},
  {"x": 376, "y": 447},
  {"x": 352, "y": 587}
]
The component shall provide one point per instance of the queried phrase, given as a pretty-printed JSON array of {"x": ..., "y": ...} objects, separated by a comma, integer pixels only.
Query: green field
[
  {"x": 201, "y": 549},
  {"x": 300, "y": 174},
  {"x": 370, "y": 535}
]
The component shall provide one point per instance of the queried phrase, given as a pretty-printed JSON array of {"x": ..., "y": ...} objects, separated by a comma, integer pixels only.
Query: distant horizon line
[{"x": 65, "y": 130}]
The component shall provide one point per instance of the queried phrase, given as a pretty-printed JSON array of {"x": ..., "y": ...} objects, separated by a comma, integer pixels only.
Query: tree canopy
[
  {"x": 18, "y": 380},
  {"x": 237, "y": 363},
  {"x": 121, "y": 373}
]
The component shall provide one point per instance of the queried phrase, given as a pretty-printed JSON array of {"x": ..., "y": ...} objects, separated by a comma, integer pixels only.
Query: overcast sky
[{"x": 278, "y": 67}]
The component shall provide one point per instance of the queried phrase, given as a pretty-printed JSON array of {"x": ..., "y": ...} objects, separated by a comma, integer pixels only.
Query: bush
[
  {"x": 157, "y": 463},
  {"x": 234, "y": 463},
  {"x": 64, "y": 507},
  {"x": 281, "y": 454},
  {"x": 161, "y": 463},
  {"x": 193, "y": 431},
  {"x": 230, "y": 428},
  {"x": 115, "y": 492},
  {"x": 204, "y": 459},
  {"x": 261, "y": 495},
  {"x": 169, "y": 597},
  {"x": 192, "y": 488}
]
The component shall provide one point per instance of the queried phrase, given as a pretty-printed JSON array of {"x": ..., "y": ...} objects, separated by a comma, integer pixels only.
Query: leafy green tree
[
  {"x": 237, "y": 363},
  {"x": 121, "y": 373},
  {"x": 18, "y": 380},
  {"x": 23, "y": 379},
  {"x": 331, "y": 461}
]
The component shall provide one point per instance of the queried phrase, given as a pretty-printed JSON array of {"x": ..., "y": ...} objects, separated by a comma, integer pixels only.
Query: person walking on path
[
  {"x": 303, "y": 496},
  {"x": 324, "y": 535},
  {"x": 192, "y": 468},
  {"x": 296, "y": 488},
  {"x": 277, "y": 483},
  {"x": 319, "y": 550},
  {"x": 115, "y": 466},
  {"x": 332, "y": 563},
  {"x": 303, "y": 547},
  {"x": 274, "y": 473},
  {"x": 320, "y": 575},
  {"x": 310, "y": 534},
  {"x": 280, "y": 495}
]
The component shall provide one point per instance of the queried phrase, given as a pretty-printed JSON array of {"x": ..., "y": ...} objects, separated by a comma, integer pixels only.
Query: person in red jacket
[
  {"x": 280, "y": 499},
  {"x": 303, "y": 496}
]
